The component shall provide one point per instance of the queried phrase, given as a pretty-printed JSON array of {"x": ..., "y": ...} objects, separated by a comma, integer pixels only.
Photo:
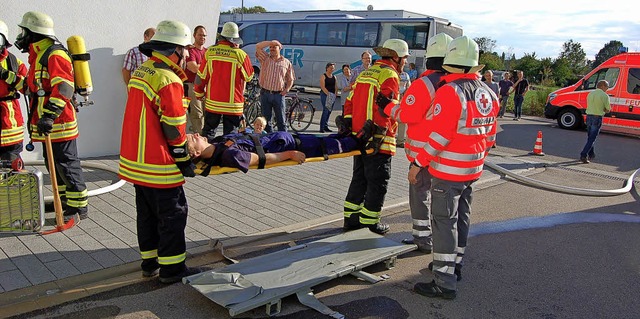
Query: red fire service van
[{"x": 568, "y": 105}]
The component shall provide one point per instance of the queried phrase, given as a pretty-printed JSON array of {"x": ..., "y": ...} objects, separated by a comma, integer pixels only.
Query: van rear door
[{"x": 625, "y": 105}]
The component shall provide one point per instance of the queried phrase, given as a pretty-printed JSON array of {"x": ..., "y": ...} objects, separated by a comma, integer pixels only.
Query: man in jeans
[
  {"x": 505, "y": 86},
  {"x": 276, "y": 79},
  {"x": 520, "y": 88},
  {"x": 597, "y": 105}
]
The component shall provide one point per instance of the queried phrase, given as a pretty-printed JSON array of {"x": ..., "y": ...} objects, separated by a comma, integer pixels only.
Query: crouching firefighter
[
  {"x": 12, "y": 75},
  {"x": 371, "y": 173},
  {"x": 50, "y": 81},
  {"x": 153, "y": 151}
]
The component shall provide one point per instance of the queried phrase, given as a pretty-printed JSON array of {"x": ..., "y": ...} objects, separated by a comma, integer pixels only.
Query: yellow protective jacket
[{"x": 154, "y": 122}]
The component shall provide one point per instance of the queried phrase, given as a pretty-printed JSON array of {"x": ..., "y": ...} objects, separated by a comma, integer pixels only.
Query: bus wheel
[{"x": 570, "y": 119}]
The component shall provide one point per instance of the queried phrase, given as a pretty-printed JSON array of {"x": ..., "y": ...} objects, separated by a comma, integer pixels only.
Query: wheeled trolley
[{"x": 21, "y": 200}]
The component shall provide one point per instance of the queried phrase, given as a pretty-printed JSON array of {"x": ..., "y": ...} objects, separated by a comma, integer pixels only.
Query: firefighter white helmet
[
  {"x": 4, "y": 32},
  {"x": 437, "y": 46},
  {"x": 231, "y": 33},
  {"x": 462, "y": 56},
  {"x": 174, "y": 32},
  {"x": 38, "y": 22},
  {"x": 392, "y": 48}
]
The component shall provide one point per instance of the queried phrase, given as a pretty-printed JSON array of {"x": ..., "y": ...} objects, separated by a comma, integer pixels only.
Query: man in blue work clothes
[{"x": 597, "y": 105}]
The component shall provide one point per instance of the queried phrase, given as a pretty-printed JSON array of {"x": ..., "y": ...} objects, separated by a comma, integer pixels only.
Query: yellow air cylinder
[{"x": 82, "y": 74}]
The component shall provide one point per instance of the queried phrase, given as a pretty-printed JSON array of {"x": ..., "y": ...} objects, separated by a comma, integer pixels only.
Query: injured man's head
[{"x": 199, "y": 146}]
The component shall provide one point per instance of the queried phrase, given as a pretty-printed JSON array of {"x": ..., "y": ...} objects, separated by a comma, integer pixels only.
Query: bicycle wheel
[
  {"x": 252, "y": 111},
  {"x": 300, "y": 116}
]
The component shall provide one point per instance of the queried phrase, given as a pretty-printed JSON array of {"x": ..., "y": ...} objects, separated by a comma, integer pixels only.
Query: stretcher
[
  {"x": 216, "y": 170},
  {"x": 21, "y": 200},
  {"x": 265, "y": 280}
]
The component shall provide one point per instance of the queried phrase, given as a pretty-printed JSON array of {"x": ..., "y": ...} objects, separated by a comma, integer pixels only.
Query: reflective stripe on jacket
[
  {"x": 223, "y": 75},
  {"x": 412, "y": 110},
  {"x": 154, "y": 120},
  {"x": 56, "y": 81},
  {"x": 360, "y": 105},
  {"x": 11, "y": 120},
  {"x": 462, "y": 130}
]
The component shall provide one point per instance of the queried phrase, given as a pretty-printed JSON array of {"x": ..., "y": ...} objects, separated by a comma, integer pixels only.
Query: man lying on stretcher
[{"x": 244, "y": 150}]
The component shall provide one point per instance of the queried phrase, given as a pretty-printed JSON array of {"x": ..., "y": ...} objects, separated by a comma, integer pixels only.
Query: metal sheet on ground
[{"x": 266, "y": 279}]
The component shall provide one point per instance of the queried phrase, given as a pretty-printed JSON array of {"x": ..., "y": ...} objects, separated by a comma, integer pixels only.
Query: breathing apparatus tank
[{"x": 82, "y": 74}]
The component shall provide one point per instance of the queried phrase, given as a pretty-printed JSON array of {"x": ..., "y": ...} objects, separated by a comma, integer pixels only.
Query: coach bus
[{"x": 313, "y": 40}]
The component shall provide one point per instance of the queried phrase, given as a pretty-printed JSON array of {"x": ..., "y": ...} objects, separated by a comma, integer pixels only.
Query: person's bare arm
[
  {"x": 193, "y": 66},
  {"x": 272, "y": 158},
  {"x": 126, "y": 76}
]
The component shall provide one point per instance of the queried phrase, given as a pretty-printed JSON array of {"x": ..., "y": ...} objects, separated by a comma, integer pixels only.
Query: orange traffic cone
[{"x": 537, "y": 148}]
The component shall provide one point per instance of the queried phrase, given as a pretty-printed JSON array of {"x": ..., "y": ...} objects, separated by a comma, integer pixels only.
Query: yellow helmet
[
  {"x": 174, "y": 32},
  {"x": 393, "y": 47},
  {"x": 38, "y": 22},
  {"x": 4, "y": 32},
  {"x": 462, "y": 52},
  {"x": 437, "y": 46},
  {"x": 231, "y": 33}
]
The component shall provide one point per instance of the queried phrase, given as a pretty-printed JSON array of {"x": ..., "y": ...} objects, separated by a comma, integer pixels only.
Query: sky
[{"x": 518, "y": 27}]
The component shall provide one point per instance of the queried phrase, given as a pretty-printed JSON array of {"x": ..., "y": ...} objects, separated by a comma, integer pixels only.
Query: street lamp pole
[{"x": 242, "y": 10}]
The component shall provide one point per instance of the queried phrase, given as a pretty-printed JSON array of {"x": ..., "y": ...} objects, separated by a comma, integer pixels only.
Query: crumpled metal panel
[{"x": 255, "y": 282}]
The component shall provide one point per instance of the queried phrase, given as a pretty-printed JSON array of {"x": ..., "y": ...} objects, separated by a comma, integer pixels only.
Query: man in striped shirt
[
  {"x": 276, "y": 79},
  {"x": 133, "y": 58}
]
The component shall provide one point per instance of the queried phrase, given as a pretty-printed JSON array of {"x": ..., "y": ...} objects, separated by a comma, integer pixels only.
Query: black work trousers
[
  {"x": 230, "y": 124},
  {"x": 161, "y": 220},
  {"x": 71, "y": 185},
  {"x": 369, "y": 184}
]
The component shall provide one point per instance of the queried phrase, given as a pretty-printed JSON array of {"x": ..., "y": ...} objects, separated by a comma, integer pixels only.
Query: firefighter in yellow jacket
[
  {"x": 153, "y": 152},
  {"x": 371, "y": 173},
  {"x": 12, "y": 75},
  {"x": 51, "y": 87}
]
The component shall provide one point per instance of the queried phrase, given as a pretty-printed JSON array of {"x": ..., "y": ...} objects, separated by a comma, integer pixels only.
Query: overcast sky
[{"x": 517, "y": 26}]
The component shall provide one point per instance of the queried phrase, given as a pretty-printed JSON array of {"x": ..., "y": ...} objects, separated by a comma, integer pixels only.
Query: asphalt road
[{"x": 535, "y": 253}]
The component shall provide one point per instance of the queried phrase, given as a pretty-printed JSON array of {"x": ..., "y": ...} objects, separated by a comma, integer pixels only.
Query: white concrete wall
[{"x": 110, "y": 28}]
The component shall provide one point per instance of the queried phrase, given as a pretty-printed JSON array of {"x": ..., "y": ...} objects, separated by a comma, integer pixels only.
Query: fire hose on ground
[
  {"x": 628, "y": 185},
  {"x": 86, "y": 164}
]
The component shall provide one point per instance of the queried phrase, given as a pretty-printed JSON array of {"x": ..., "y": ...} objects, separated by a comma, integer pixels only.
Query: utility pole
[{"x": 242, "y": 10}]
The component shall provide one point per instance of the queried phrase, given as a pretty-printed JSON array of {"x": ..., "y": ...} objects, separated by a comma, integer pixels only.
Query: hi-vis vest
[
  {"x": 55, "y": 82},
  {"x": 154, "y": 119},
  {"x": 413, "y": 110},
  {"x": 462, "y": 129},
  {"x": 223, "y": 73},
  {"x": 361, "y": 106},
  {"x": 11, "y": 120}
]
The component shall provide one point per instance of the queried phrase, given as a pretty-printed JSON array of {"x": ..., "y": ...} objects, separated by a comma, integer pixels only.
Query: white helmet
[
  {"x": 463, "y": 51},
  {"x": 230, "y": 32},
  {"x": 4, "y": 32},
  {"x": 174, "y": 32},
  {"x": 38, "y": 22},
  {"x": 393, "y": 47},
  {"x": 437, "y": 46}
]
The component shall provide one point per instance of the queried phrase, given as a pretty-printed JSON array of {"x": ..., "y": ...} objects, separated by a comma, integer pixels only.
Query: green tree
[
  {"x": 573, "y": 53},
  {"x": 529, "y": 65},
  {"x": 485, "y": 44},
  {"x": 609, "y": 50},
  {"x": 491, "y": 61},
  {"x": 546, "y": 70},
  {"x": 562, "y": 72},
  {"x": 256, "y": 9}
]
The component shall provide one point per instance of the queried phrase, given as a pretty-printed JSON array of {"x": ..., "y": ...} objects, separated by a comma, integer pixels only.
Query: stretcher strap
[
  {"x": 262, "y": 157},
  {"x": 323, "y": 148},
  {"x": 216, "y": 159}
]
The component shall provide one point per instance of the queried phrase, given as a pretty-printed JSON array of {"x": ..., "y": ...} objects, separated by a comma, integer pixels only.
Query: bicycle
[
  {"x": 252, "y": 107},
  {"x": 298, "y": 111}
]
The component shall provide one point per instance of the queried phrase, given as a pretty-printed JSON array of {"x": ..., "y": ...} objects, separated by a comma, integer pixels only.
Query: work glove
[
  {"x": 187, "y": 168},
  {"x": 45, "y": 124},
  {"x": 4, "y": 74},
  {"x": 382, "y": 101}
]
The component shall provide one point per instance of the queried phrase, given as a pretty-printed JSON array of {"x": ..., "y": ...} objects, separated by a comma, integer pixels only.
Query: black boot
[
  {"x": 352, "y": 222},
  {"x": 380, "y": 228}
]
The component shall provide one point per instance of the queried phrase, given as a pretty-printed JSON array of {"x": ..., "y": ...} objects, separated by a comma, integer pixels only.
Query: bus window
[
  {"x": 453, "y": 31},
  {"x": 303, "y": 33},
  {"x": 280, "y": 32},
  {"x": 609, "y": 74},
  {"x": 331, "y": 33},
  {"x": 415, "y": 34},
  {"x": 362, "y": 34},
  {"x": 253, "y": 33}
]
